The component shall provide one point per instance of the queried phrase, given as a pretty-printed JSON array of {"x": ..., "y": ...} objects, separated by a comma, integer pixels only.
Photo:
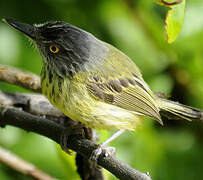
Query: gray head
[{"x": 65, "y": 48}]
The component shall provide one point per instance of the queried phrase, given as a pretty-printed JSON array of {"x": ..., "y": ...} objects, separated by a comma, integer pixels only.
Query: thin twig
[{"x": 22, "y": 166}]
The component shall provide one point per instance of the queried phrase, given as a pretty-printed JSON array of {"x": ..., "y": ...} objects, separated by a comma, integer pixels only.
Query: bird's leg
[
  {"x": 102, "y": 147},
  {"x": 74, "y": 129}
]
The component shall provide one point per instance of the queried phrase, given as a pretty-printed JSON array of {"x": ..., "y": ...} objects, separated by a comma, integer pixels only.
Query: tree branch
[
  {"x": 19, "y": 77},
  {"x": 22, "y": 166},
  {"x": 33, "y": 103},
  {"x": 19, "y": 118}
]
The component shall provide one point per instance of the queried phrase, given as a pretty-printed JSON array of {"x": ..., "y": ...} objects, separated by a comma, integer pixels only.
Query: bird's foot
[
  {"x": 101, "y": 149},
  {"x": 76, "y": 129}
]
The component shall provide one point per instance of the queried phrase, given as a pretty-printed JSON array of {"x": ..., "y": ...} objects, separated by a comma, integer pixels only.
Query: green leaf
[
  {"x": 174, "y": 18},
  {"x": 174, "y": 21}
]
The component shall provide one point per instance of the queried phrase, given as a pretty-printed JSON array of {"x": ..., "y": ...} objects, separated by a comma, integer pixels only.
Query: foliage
[
  {"x": 137, "y": 28},
  {"x": 174, "y": 18}
]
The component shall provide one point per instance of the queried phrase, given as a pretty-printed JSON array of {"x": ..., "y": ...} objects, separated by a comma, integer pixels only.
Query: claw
[
  {"x": 63, "y": 143},
  {"x": 76, "y": 129},
  {"x": 109, "y": 151},
  {"x": 96, "y": 153},
  {"x": 148, "y": 174},
  {"x": 101, "y": 149}
]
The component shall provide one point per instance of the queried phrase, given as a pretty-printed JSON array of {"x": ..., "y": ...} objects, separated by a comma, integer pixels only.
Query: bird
[{"x": 93, "y": 82}]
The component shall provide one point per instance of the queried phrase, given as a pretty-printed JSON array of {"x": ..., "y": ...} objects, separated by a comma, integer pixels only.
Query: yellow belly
[{"x": 74, "y": 100}]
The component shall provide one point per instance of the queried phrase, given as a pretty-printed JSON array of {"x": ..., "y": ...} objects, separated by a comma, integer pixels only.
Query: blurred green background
[{"x": 171, "y": 152}]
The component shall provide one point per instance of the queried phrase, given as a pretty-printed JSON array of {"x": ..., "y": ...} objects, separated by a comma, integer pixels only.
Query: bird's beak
[{"x": 27, "y": 29}]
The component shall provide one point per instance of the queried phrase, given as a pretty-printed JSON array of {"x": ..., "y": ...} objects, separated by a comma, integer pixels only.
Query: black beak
[{"x": 27, "y": 29}]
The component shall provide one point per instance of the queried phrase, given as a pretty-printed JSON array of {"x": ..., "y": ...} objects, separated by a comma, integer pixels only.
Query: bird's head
[{"x": 64, "y": 46}]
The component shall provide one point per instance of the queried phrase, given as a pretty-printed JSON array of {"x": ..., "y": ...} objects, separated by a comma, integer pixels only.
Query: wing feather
[{"x": 128, "y": 93}]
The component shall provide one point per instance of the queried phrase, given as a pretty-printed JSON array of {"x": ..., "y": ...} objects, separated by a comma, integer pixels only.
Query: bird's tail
[{"x": 176, "y": 111}]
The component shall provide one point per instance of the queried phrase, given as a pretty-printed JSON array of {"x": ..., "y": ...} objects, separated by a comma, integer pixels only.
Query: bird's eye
[{"x": 53, "y": 49}]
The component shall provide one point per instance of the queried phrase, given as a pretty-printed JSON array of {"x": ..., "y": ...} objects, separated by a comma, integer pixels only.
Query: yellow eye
[{"x": 54, "y": 49}]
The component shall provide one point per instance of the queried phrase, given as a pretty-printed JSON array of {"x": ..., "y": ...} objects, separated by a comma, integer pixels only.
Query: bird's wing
[{"x": 130, "y": 93}]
